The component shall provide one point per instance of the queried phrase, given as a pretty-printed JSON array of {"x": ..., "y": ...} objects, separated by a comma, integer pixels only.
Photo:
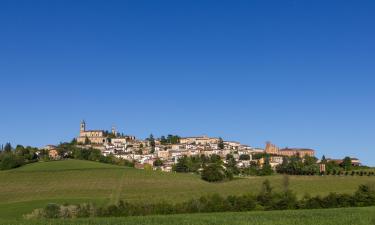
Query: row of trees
[
  {"x": 213, "y": 169},
  {"x": 170, "y": 139},
  {"x": 296, "y": 165},
  {"x": 266, "y": 199},
  {"x": 70, "y": 150},
  {"x": 15, "y": 157}
]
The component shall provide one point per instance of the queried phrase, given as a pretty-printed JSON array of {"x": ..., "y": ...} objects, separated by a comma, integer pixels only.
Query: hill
[{"x": 75, "y": 181}]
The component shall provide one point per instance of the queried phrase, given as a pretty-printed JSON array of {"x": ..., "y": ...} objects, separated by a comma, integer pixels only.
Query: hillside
[{"x": 75, "y": 181}]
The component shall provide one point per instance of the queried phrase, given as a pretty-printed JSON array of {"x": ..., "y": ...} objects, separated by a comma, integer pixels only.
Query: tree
[
  {"x": 266, "y": 169},
  {"x": 8, "y": 147},
  {"x": 213, "y": 173},
  {"x": 151, "y": 140},
  {"x": 323, "y": 160},
  {"x": 74, "y": 141},
  {"x": 163, "y": 140},
  {"x": 244, "y": 157},
  {"x": 158, "y": 162},
  {"x": 9, "y": 160},
  {"x": 220, "y": 145},
  {"x": 216, "y": 159},
  {"x": 173, "y": 139},
  {"x": 229, "y": 156},
  {"x": 265, "y": 195},
  {"x": 87, "y": 141},
  {"x": 347, "y": 163},
  {"x": 286, "y": 183},
  {"x": 232, "y": 165},
  {"x": 182, "y": 165}
]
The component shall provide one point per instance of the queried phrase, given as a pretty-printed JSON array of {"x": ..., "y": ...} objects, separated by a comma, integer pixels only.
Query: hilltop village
[{"x": 164, "y": 152}]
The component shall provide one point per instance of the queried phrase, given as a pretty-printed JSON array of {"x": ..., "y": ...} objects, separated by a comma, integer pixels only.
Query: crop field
[
  {"x": 74, "y": 181},
  {"x": 347, "y": 216}
]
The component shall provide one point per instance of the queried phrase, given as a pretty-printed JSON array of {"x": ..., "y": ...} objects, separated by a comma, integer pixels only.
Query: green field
[
  {"x": 74, "y": 181},
  {"x": 349, "y": 216}
]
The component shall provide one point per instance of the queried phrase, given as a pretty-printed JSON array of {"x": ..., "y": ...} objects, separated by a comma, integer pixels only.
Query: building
[
  {"x": 271, "y": 149},
  {"x": 49, "y": 147},
  {"x": 355, "y": 161},
  {"x": 301, "y": 152},
  {"x": 200, "y": 140},
  {"x": 93, "y": 136},
  {"x": 53, "y": 154}
]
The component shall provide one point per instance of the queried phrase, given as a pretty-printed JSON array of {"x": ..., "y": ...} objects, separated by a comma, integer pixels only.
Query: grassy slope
[
  {"x": 348, "y": 216},
  {"x": 75, "y": 181}
]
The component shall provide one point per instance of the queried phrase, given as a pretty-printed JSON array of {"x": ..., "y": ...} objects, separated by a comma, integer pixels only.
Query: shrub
[
  {"x": 213, "y": 173},
  {"x": 9, "y": 160},
  {"x": 52, "y": 210}
]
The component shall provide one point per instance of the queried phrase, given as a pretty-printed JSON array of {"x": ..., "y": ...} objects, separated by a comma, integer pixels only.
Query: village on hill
[{"x": 165, "y": 152}]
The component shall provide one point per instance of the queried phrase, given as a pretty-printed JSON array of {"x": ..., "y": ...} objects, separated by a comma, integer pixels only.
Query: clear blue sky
[{"x": 297, "y": 73}]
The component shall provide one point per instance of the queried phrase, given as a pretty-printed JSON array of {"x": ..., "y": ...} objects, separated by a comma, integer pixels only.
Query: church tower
[
  {"x": 83, "y": 127},
  {"x": 114, "y": 131}
]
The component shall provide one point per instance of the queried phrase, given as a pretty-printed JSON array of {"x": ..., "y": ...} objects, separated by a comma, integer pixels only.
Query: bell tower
[
  {"x": 114, "y": 131},
  {"x": 83, "y": 127}
]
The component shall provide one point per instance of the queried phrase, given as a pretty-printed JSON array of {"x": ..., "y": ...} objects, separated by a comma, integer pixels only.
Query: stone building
[
  {"x": 301, "y": 152},
  {"x": 271, "y": 149},
  {"x": 94, "y": 136}
]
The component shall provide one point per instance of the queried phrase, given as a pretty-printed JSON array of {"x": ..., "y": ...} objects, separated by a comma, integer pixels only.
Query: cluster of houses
[{"x": 146, "y": 152}]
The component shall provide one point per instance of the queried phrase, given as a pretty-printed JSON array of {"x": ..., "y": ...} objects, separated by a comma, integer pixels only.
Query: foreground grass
[
  {"x": 74, "y": 181},
  {"x": 347, "y": 216}
]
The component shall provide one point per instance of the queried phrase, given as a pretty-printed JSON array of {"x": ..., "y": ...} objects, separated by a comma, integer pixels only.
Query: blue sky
[{"x": 297, "y": 73}]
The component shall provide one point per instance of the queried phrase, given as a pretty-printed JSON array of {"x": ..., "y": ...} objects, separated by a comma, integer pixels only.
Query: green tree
[
  {"x": 182, "y": 165},
  {"x": 221, "y": 143},
  {"x": 9, "y": 160},
  {"x": 266, "y": 169},
  {"x": 87, "y": 141},
  {"x": 216, "y": 159},
  {"x": 8, "y": 147},
  {"x": 213, "y": 173},
  {"x": 151, "y": 141},
  {"x": 347, "y": 163},
  {"x": 158, "y": 162},
  {"x": 245, "y": 157},
  {"x": 265, "y": 197},
  {"x": 173, "y": 139},
  {"x": 163, "y": 140},
  {"x": 232, "y": 166}
]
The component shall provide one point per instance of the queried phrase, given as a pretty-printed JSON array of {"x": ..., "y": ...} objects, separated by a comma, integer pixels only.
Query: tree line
[
  {"x": 11, "y": 158},
  {"x": 267, "y": 199},
  {"x": 15, "y": 157},
  {"x": 70, "y": 150},
  {"x": 213, "y": 169}
]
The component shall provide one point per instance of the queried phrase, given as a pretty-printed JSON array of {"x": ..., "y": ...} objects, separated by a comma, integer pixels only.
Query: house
[
  {"x": 53, "y": 154},
  {"x": 200, "y": 140},
  {"x": 232, "y": 145},
  {"x": 163, "y": 154},
  {"x": 49, "y": 147},
  {"x": 301, "y": 152},
  {"x": 355, "y": 161}
]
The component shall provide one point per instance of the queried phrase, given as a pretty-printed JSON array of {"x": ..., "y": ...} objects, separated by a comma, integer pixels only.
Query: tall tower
[
  {"x": 83, "y": 127},
  {"x": 114, "y": 132}
]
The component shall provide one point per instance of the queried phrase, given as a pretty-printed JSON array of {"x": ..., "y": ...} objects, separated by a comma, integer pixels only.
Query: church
[{"x": 94, "y": 136}]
